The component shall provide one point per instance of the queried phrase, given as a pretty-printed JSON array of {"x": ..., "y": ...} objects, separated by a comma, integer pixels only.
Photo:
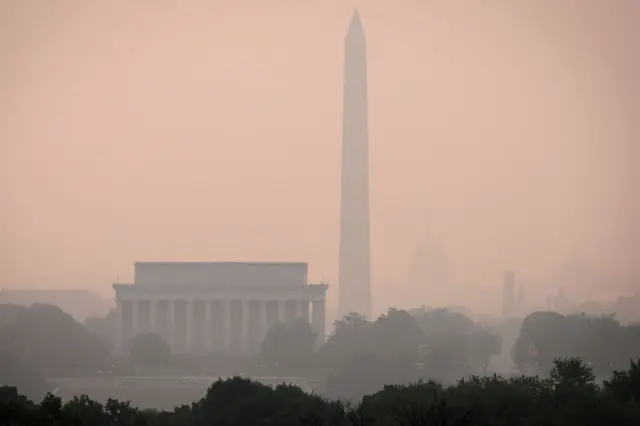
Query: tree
[
  {"x": 571, "y": 371},
  {"x": 239, "y": 401},
  {"x": 45, "y": 338},
  {"x": 149, "y": 349},
  {"x": 396, "y": 334},
  {"x": 448, "y": 356},
  {"x": 366, "y": 374},
  {"x": 14, "y": 373},
  {"x": 50, "y": 410},
  {"x": 542, "y": 339},
  {"x": 103, "y": 327},
  {"x": 352, "y": 336},
  {"x": 122, "y": 413},
  {"x": 444, "y": 321},
  {"x": 289, "y": 344},
  {"x": 484, "y": 344},
  {"x": 601, "y": 342},
  {"x": 455, "y": 344},
  {"x": 85, "y": 411},
  {"x": 569, "y": 397},
  {"x": 9, "y": 313},
  {"x": 625, "y": 385}
]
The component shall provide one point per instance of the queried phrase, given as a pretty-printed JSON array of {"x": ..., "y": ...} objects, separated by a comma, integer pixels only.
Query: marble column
[
  {"x": 226, "y": 328},
  {"x": 263, "y": 322},
  {"x": 245, "y": 342},
  {"x": 302, "y": 310},
  {"x": 318, "y": 321},
  {"x": 199, "y": 325},
  {"x": 217, "y": 325},
  {"x": 189, "y": 327},
  {"x": 208, "y": 329},
  {"x": 171, "y": 324}
]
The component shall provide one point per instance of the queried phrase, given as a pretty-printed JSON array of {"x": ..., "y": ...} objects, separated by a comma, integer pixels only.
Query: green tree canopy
[
  {"x": 149, "y": 349},
  {"x": 602, "y": 342},
  {"x": 103, "y": 327},
  {"x": 396, "y": 334},
  {"x": 51, "y": 340},
  {"x": 14, "y": 373},
  {"x": 352, "y": 336},
  {"x": 289, "y": 344},
  {"x": 569, "y": 397}
]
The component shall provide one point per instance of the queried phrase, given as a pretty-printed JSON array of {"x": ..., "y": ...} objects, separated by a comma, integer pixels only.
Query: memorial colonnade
[{"x": 199, "y": 320}]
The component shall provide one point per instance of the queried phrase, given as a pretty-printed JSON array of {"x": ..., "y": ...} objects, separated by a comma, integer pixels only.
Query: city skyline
[{"x": 138, "y": 136}]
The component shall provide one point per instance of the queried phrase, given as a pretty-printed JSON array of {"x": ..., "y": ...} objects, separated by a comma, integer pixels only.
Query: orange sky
[{"x": 210, "y": 130}]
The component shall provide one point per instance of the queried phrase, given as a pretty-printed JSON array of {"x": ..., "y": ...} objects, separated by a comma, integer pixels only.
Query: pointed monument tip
[
  {"x": 355, "y": 27},
  {"x": 355, "y": 18}
]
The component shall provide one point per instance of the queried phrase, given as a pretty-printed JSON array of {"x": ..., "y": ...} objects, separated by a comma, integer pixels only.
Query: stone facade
[
  {"x": 355, "y": 263},
  {"x": 207, "y": 307}
]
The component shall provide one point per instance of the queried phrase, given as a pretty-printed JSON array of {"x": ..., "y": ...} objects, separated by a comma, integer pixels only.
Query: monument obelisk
[{"x": 355, "y": 264}]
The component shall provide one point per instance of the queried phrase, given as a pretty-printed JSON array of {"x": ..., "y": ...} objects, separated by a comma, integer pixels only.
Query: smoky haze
[{"x": 507, "y": 131}]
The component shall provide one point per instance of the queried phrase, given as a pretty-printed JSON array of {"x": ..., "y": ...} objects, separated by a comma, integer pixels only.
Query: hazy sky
[{"x": 210, "y": 130}]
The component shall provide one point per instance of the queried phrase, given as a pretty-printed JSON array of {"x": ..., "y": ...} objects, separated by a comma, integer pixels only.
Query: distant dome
[
  {"x": 573, "y": 275},
  {"x": 573, "y": 267}
]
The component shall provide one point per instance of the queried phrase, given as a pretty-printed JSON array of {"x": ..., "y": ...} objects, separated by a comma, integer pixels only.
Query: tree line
[
  {"x": 568, "y": 396},
  {"x": 358, "y": 358}
]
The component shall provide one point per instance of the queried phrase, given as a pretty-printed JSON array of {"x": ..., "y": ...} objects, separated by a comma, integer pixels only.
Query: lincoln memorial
[{"x": 206, "y": 307}]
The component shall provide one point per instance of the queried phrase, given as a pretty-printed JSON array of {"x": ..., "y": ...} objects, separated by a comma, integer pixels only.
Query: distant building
[
  {"x": 355, "y": 262},
  {"x": 80, "y": 304},
  {"x": 203, "y": 307},
  {"x": 627, "y": 308}
]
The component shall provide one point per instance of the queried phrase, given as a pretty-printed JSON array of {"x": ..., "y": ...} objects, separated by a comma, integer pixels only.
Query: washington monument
[{"x": 355, "y": 264}]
